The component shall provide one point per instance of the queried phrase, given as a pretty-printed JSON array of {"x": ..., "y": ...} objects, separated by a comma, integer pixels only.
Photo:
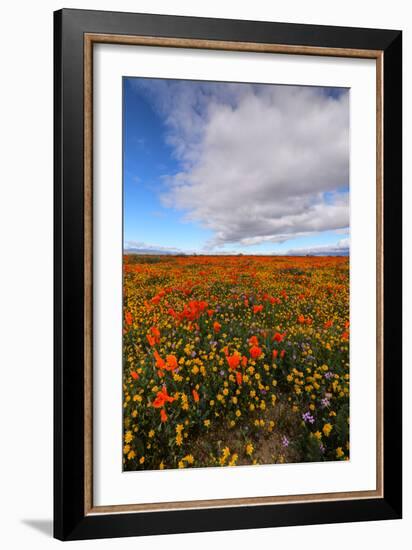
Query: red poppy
[
  {"x": 278, "y": 337},
  {"x": 134, "y": 375},
  {"x": 328, "y": 324},
  {"x": 238, "y": 378},
  {"x": 257, "y": 309},
  {"x": 282, "y": 354},
  {"x": 195, "y": 395},
  {"x": 301, "y": 319},
  {"x": 163, "y": 415},
  {"x": 274, "y": 353}
]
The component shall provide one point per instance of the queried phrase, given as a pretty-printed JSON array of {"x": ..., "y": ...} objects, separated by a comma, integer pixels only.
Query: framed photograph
[{"x": 227, "y": 274}]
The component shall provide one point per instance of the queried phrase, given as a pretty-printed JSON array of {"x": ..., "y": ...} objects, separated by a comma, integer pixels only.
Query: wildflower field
[{"x": 234, "y": 360}]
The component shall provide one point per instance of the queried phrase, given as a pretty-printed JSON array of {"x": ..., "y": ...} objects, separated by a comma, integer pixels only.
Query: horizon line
[{"x": 220, "y": 254}]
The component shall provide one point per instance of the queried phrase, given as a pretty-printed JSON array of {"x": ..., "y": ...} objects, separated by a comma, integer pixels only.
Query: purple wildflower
[
  {"x": 285, "y": 441},
  {"x": 307, "y": 417}
]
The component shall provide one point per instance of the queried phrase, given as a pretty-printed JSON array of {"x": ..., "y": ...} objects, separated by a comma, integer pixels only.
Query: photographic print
[
  {"x": 227, "y": 270},
  {"x": 235, "y": 274}
]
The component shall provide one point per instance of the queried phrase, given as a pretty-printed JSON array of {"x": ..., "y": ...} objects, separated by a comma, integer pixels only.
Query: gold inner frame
[{"x": 89, "y": 40}]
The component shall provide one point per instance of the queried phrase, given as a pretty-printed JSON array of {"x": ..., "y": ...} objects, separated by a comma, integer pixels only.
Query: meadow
[{"x": 234, "y": 360}]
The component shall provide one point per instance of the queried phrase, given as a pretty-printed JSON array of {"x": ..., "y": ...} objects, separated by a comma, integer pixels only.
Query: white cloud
[{"x": 259, "y": 163}]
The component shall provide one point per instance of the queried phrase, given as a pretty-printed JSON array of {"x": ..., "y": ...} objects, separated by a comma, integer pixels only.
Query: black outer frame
[{"x": 70, "y": 522}]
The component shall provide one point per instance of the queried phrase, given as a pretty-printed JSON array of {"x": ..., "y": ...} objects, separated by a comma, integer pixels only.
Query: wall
[{"x": 26, "y": 270}]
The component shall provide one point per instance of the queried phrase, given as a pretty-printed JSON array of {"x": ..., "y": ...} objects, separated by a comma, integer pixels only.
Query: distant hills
[{"x": 151, "y": 251}]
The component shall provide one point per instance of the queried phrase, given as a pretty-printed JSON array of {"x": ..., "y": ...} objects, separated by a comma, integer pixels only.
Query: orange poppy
[
  {"x": 151, "y": 340},
  {"x": 163, "y": 415},
  {"x": 155, "y": 334},
  {"x": 253, "y": 341},
  {"x": 134, "y": 375},
  {"x": 162, "y": 398},
  {"x": 217, "y": 326},
  {"x": 195, "y": 395},
  {"x": 159, "y": 361},
  {"x": 255, "y": 352},
  {"x": 128, "y": 318},
  {"x": 233, "y": 361},
  {"x": 171, "y": 362}
]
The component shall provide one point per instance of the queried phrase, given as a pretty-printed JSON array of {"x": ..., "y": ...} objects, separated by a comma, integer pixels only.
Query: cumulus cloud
[{"x": 259, "y": 163}]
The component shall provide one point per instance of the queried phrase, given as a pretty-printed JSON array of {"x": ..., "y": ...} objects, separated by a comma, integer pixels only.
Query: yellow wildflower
[
  {"x": 249, "y": 449},
  {"x": 327, "y": 428}
]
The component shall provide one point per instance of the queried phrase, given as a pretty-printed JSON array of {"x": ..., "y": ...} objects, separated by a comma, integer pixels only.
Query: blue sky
[{"x": 228, "y": 168}]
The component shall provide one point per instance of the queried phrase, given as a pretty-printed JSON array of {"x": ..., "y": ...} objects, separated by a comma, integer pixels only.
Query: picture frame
[{"x": 76, "y": 32}]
